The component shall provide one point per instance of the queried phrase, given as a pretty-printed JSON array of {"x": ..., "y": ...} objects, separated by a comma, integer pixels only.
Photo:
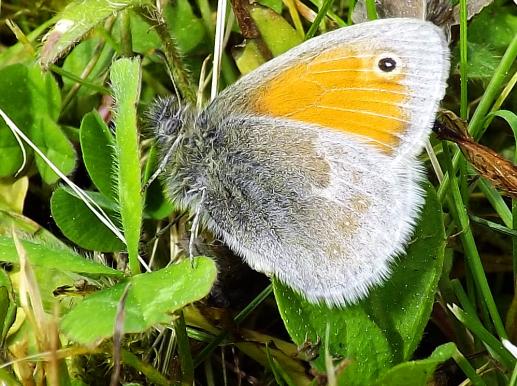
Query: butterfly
[{"x": 308, "y": 166}]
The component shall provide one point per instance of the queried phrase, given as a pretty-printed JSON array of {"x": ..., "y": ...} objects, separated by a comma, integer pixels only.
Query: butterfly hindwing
[{"x": 308, "y": 206}]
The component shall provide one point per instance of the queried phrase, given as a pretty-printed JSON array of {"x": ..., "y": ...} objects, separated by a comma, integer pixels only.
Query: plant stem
[
  {"x": 471, "y": 253},
  {"x": 176, "y": 66}
]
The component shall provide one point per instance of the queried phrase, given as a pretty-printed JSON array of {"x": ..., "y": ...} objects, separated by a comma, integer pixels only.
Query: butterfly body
[{"x": 307, "y": 167}]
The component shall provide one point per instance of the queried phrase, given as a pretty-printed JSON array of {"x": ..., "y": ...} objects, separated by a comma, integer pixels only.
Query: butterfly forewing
[{"x": 378, "y": 81}]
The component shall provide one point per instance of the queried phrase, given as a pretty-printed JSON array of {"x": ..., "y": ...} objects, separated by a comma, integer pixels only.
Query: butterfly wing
[
  {"x": 380, "y": 82},
  {"x": 308, "y": 165},
  {"x": 308, "y": 206}
]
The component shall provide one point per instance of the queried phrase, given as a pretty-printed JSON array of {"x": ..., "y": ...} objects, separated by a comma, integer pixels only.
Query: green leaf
[
  {"x": 16, "y": 104},
  {"x": 12, "y": 157},
  {"x": 33, "y": 103},
  {"x": 187, "y": 29},
  {"x": 51, "y": 140},
  {"x": 249, "y": 58},
  {"x": 157, "y": 206},
  {"x": 482, "y": 60},
  {"x": 7, "y": 379},
  {"x": 489, "y": 35},
  {"x": 144, "y": 39},
  {"x": 45, "y": 132},
  {"x": 77, "y": 19},
  {"x": 54, "y": 264},
  {"x": 277, "y": 33},
  {"x": 98, "y": 153},
  {"x": 385, "y": 328},
  {"x": 79, "y": 58},
  {"x": 495, "y": 26},
  {"x": 53, "y": 257},
  {"x": 510, "y": 117},
  {"x": 45, "y": 94},
  {"x": 275, "y": 5},
  {"x": 25, "y": 228},
  {"x": 13, "y": 194},
  {"x": 125, "y": 77},
  {"x": 418, "y": 372},
  {"x": 151, "y": 299},
  {"x": 7, "y": 306},
  {"x": 80, "y": 225}
]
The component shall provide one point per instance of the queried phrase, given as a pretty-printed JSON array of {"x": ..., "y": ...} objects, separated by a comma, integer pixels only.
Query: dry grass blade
[
  {"x": 45, "y": 331},
  {"x": 489, "y": 164},
  {"x": 30, "y": 297}
]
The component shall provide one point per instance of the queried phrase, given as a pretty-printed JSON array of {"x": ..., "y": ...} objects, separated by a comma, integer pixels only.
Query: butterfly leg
[{"x": 194, "y": 232}]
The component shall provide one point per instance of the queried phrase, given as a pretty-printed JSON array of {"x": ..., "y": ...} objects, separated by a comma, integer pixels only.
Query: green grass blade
[
  {"x": 471, "y": 252},
  {"x": 205, "y": 353},
  {"x": 494, "y": 226},
  {"x": 493, "y": 344},
  {"x": 319, "y": 17},
  {"x": 184, "y": 352},
  {"x": 511, "y": 118},
  {"x": 496, "y": 200},
  {"x": 487, "y": 100},
  {"x": 371, "y": 11},
  {"x": 467, "y": 368}
]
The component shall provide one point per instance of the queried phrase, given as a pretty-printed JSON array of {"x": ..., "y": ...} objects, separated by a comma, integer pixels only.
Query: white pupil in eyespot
[{"x": 387, "y": 64}]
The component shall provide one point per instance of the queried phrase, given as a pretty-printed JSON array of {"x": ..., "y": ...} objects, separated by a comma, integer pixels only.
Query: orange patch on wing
[{"x": 342, "y": 91}]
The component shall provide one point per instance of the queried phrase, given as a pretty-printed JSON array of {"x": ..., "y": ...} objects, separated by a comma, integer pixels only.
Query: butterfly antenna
[{"x": 163, "y": 164}]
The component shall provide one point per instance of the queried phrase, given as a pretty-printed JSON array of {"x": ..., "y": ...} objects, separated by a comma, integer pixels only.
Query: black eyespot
[{"x": 387, "y": 64}]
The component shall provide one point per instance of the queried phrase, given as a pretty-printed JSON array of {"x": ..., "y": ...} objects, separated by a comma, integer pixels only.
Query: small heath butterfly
[{"x": 308, "y": 166}]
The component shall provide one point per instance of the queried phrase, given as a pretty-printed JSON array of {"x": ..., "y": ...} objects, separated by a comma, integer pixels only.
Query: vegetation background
[{"x": 94, "y": 287}]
